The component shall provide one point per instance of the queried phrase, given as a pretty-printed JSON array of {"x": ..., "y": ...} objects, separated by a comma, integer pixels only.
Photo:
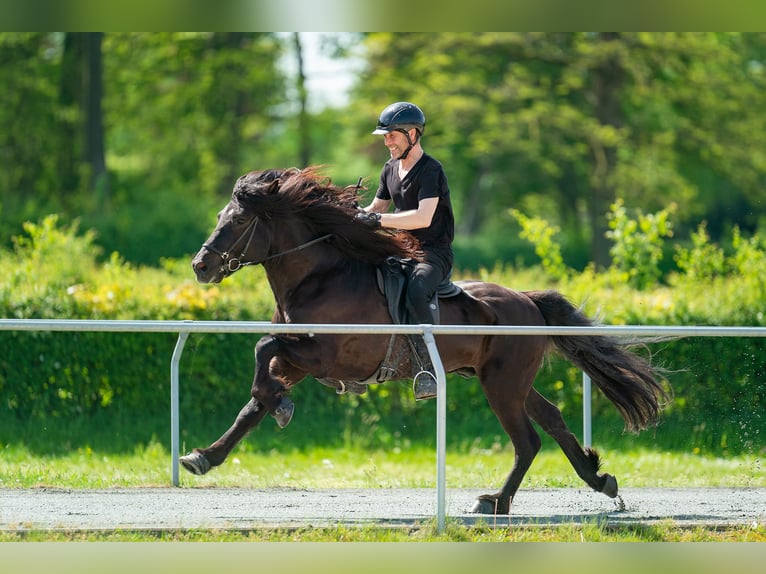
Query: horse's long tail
[{"x": 628, "y": 380}]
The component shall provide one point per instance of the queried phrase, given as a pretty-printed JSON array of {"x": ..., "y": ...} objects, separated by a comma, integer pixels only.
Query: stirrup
[{"x": 424, "y": 385}]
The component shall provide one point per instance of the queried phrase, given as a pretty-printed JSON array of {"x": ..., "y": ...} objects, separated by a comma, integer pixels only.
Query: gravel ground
[{"x": 244, "y": 509}]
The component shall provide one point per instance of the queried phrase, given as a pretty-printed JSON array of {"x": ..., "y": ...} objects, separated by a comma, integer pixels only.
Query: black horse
[{"x": 322, "y": 266}]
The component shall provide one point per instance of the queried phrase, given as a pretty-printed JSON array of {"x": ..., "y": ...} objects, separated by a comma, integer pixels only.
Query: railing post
[
  {"x": 174, "y": 434},
  {"x": 586, "y": 410},
  {"x": 441, "y": 430}
]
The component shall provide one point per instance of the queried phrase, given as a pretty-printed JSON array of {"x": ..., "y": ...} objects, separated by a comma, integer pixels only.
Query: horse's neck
[{"x": 288, "y": 273}]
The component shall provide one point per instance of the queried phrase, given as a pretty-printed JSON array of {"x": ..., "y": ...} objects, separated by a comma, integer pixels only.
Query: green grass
[
  {"x": 454, "y": 532},
  {"x": 414, "y": 467}
]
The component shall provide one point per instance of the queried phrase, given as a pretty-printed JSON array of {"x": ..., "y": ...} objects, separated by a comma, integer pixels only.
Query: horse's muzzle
[{"x": 205, "y": 272}]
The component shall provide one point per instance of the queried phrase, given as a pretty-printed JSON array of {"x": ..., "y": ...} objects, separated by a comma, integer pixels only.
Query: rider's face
[{"x": 396, "y": 142}]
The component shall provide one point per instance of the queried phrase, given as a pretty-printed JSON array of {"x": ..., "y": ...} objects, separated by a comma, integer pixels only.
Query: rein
[{"x": 232, "y": 264}]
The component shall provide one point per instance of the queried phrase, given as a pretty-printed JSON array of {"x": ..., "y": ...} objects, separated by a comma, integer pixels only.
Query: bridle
[{"x": 231, "y": 264}]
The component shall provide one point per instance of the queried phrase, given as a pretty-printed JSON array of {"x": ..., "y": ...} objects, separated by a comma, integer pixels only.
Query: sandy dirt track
[{"x": 244, "y": 509}]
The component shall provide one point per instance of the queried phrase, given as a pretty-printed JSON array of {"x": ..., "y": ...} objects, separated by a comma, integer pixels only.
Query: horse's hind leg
[
  {"x": 507, "y": 402},
  {"x": 199, "y": 461},
  {"x": 585, "y": 461}
]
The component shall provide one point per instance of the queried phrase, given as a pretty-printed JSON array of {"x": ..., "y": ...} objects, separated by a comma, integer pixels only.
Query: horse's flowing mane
[{"x": 305, "y": 195}]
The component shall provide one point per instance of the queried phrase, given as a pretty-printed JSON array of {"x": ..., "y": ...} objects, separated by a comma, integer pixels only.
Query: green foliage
[
  {"x": 637, "y": 247},
  {"x": 728, "y": 284},
  {"x": 704, "y": 261},
  {"x": 637, "y": 243},
  {"x": 184, "y": 115},
  {"x": 30, "y": 125},
  {"x": 556, "y": 125},
  {"x": 541, "y": 234},
  {"x": 187, "y": 108}
]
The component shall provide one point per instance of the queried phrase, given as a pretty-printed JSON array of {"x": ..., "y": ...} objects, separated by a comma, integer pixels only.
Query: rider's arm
[
  {"x": 378, "y": 205},
  {"x": 419, "y": 218}
]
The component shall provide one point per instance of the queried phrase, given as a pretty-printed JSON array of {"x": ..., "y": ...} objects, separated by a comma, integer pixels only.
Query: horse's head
[
  {"x": 238, "y": 239},
  {"x": 280, "y": 212}
]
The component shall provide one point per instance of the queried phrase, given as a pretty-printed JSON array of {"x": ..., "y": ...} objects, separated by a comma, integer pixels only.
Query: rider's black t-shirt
[{"x": 426, "y": 179}]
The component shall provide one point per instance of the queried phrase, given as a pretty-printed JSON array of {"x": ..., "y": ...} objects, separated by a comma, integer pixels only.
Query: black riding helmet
[{"x": 402, "y": 117}]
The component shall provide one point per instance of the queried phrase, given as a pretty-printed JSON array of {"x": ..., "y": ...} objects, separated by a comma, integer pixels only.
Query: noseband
[{"x": 231, "y": 264}]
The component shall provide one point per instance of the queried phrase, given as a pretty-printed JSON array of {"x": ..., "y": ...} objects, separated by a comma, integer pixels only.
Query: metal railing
[{"x": 185, "y": 328}]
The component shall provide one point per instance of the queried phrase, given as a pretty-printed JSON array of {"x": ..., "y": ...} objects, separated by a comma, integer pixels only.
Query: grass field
[{"x": 149, "y": 465}]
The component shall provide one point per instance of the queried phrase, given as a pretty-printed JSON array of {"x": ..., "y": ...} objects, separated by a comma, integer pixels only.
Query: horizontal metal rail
[
  {"x": 151, "y": 326},
  {"x": 184, "y": 328}
]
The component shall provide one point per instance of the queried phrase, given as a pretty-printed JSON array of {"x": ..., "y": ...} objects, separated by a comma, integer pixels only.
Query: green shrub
[{"x": 637, "y": 243}]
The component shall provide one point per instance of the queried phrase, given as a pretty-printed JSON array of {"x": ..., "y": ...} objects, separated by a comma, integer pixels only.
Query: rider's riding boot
[{"x": 424, "y": 382}]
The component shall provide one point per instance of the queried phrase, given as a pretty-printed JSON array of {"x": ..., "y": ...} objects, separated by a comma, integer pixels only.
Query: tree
[
  {"x": 29, "y": 122},
  {"x": 608, "y": 76},
  {"x": 183, "y": 116},
  {"x": 81, "y": 94},
  {"x": 304, "y": 146},
  {"x": 192, "y": 107}
]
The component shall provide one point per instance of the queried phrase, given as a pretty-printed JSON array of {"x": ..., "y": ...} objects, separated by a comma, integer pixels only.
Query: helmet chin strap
[{"x": 410, "y": 145}]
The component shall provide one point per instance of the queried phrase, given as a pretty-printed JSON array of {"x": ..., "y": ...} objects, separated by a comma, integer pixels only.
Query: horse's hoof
[
  {"x": 610, "y": 486},
  {"x": 483, "y": 507},
  {"x": 283, "y": 414},
  {"x": 488, "y": 505},
  {"x": 195, "y": 463}
]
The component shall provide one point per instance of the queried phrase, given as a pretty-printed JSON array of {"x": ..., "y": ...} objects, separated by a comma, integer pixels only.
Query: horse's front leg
[
  {"x": 272, "y": 376},
  {"x": 201, "y": 460}
]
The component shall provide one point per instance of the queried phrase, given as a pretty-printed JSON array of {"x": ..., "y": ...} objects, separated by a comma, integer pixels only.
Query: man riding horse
[
  {"x": 416, "y": 184},
  {"x": 322, "y": 266}
]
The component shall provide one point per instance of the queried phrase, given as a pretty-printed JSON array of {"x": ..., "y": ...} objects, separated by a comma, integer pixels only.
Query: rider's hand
[{"x": 370, "y": 219}]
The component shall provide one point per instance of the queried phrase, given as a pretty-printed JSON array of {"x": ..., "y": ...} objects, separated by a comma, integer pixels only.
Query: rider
[{"x": 416, "y": 184}]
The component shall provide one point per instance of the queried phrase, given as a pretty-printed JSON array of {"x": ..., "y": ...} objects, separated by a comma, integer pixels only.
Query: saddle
[{"x": 392, "y": 282}]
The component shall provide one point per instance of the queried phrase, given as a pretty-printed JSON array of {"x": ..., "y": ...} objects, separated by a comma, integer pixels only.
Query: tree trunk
[
  {"x": 607, "y": 81},
  {"x": 70, "y": 98},
  {"x": 80, "y": 95},
  {"x": 304, "y": 152},
  {"x": 229, "y": 104},
  {"x": 472, "y": 217},
  {"x": 95, "y": 155}
]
